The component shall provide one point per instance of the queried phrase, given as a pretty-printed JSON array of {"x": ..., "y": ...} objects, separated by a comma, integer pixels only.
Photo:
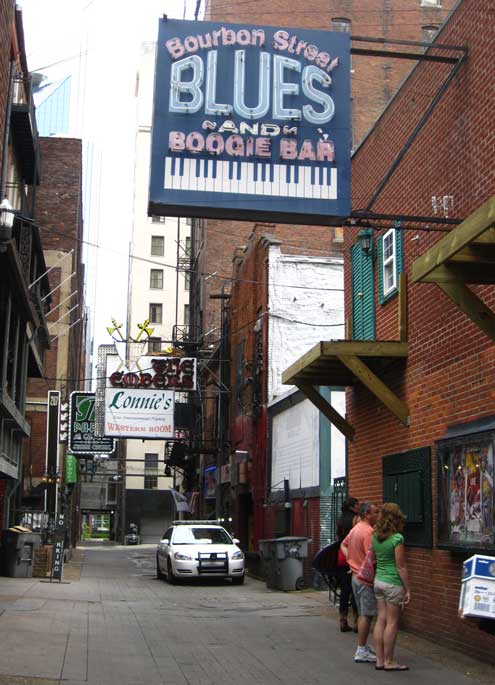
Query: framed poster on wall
[{"x": 465, "y": 491}]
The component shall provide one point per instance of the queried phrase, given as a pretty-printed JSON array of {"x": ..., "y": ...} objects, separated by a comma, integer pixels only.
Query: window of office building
[
  {"x": 158, "y": 219},
  {"x": 431, "y": 3},
  {"x": 156, "y": 279},
  {"x": 186, "y": 314},
  {"x": 154, "y": 345},
  {"x": 187, "y": 280},
  {"x": 155, "y": 315},
  {"x": 150, "y": 470},
  {"x": 157, "y": 245}
]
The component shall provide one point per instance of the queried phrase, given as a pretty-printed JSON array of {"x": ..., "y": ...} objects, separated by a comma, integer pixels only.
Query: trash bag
[{"x": 326, "y": 563}]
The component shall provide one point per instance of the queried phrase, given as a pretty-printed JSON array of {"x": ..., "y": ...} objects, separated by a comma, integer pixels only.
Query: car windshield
[{"x": 199, "y": 536}]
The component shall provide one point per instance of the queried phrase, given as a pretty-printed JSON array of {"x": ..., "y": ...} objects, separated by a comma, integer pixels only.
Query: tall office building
[{"x": 158, "y": 292}]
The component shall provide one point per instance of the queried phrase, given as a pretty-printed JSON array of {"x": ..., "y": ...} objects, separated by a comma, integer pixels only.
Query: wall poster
[{"x": 466, "y": 493}]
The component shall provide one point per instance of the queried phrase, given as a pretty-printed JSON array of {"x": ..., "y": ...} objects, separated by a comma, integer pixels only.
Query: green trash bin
[{"x": 18, "y": 553}]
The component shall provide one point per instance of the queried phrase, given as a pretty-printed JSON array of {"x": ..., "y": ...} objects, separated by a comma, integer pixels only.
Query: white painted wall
[
  {"x": 295, "y": 446},
  {"x": 300, "y": 317},
  {"x": 143, "y": 228}
]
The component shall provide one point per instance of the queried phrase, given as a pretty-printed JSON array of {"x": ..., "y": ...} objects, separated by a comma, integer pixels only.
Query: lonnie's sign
[
  {"x": 139, "y": 403},
  {"x": 251, "y": 122}
]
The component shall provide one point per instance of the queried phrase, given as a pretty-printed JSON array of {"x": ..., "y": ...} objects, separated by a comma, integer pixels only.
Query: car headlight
[
  {"x": 182, "y": 557},
  {"x": 238, "y": 555}
]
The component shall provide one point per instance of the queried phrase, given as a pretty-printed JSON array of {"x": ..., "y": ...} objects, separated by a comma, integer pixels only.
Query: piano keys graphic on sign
[{"x": 250, "y": 178}]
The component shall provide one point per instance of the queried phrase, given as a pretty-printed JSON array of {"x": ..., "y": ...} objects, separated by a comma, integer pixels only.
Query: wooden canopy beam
[
  {"x": 470, "y": 231},
  {"x": 456, "y": 272},
  {"x": 311, "y": 392},
  {"x": 376, "y": 386},
  {"x": 471, "y": 305}
]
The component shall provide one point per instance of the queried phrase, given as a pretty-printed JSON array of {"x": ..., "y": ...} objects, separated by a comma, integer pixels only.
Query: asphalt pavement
[{"x": 112, "y": 622}]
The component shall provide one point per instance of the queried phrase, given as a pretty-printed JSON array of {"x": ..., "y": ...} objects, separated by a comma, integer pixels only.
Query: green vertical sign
[{"x": 70, "y": 468}]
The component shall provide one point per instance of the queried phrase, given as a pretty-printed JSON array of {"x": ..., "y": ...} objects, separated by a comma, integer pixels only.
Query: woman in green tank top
[{"x": 391, "y": 584}]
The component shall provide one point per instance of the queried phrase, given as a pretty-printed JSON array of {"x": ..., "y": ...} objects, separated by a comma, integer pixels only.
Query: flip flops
[{"x": 396, "y": 667}]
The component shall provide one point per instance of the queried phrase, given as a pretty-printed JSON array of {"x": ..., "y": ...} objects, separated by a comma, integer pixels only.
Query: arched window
[
  {"x": 429, "y": 33},
  {"x": 341, "y": 24}
]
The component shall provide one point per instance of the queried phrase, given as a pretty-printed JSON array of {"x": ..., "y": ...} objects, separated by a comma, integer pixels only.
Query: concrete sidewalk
[{"x": 114, "y": 623}]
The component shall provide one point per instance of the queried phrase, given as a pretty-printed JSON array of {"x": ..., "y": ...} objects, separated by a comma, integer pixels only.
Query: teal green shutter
[
  {"x": 406, "y": 490},
  {"x": 363, "y": 296},
  {"x": 399, "y": 247},
  {"x": 407, "y": 482}
]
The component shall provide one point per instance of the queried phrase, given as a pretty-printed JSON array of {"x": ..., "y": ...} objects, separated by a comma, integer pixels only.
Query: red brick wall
[
  {"x": 6, "y": 19},
  {"x": 449, "y": 376},
  {"x": 374, "y": 80},
  {"x": 58, "y": 212}
]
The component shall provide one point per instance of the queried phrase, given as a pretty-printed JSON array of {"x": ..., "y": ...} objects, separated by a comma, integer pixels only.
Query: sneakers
[{"x": 364, "y": 655}]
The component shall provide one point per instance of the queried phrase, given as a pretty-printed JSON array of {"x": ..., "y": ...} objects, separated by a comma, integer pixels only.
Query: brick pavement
[{"x": 118, "y": 624}]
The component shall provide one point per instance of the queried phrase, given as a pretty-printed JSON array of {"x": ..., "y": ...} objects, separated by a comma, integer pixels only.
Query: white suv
[{"x": 197, "y": 549}]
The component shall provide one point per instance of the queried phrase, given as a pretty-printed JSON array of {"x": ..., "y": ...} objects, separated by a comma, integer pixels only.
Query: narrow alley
[{"x": 113, "y": 622}]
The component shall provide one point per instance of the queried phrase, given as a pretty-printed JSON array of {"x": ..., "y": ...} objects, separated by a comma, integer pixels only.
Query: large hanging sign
[
  {"x": 251, "y": 122},
  {"x": 82, "y": 438},
  {"x": 140, "y": 404}
]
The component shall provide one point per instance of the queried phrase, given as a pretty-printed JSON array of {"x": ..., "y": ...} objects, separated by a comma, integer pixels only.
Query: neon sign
[{"x": 251, "y": 122}]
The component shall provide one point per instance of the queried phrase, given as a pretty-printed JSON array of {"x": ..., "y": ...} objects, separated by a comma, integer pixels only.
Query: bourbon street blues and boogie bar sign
[{"x": 251, "y": 122}]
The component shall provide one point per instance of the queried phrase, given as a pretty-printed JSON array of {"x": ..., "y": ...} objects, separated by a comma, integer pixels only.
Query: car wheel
[
  {"x": 238, "y": 580},
  {"x": 159, "y": 574},
  {"x": 170, "y": 574}
]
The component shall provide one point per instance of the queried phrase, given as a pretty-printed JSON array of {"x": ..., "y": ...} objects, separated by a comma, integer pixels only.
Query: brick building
[
  {"x": 419, "y": 299},
  {"x": 373, "y": 81},
  {"x": 59, "y": 215},
  {"x": 284, "y": 294},
  {"x": 24, "y": 287}
]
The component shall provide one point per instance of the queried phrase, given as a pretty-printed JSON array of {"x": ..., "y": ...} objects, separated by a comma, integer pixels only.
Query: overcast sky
[{"x": 97, "y": 43}]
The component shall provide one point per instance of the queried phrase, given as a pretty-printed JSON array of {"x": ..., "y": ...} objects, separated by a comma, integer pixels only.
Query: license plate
[{"x": 213, "y": 563}]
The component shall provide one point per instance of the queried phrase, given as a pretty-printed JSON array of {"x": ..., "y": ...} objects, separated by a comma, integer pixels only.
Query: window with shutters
[
  {"x": 465, "y": 490},
  {"x": 407, "y": 482},
  {"x": 390, "y": 263},
  {"x": 363, "y": 294}
]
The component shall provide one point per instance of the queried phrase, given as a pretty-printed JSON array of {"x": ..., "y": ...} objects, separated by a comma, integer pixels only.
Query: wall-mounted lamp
[
  {"x": 6, "y": 219},
  {"x": 365, "y": 239}
]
